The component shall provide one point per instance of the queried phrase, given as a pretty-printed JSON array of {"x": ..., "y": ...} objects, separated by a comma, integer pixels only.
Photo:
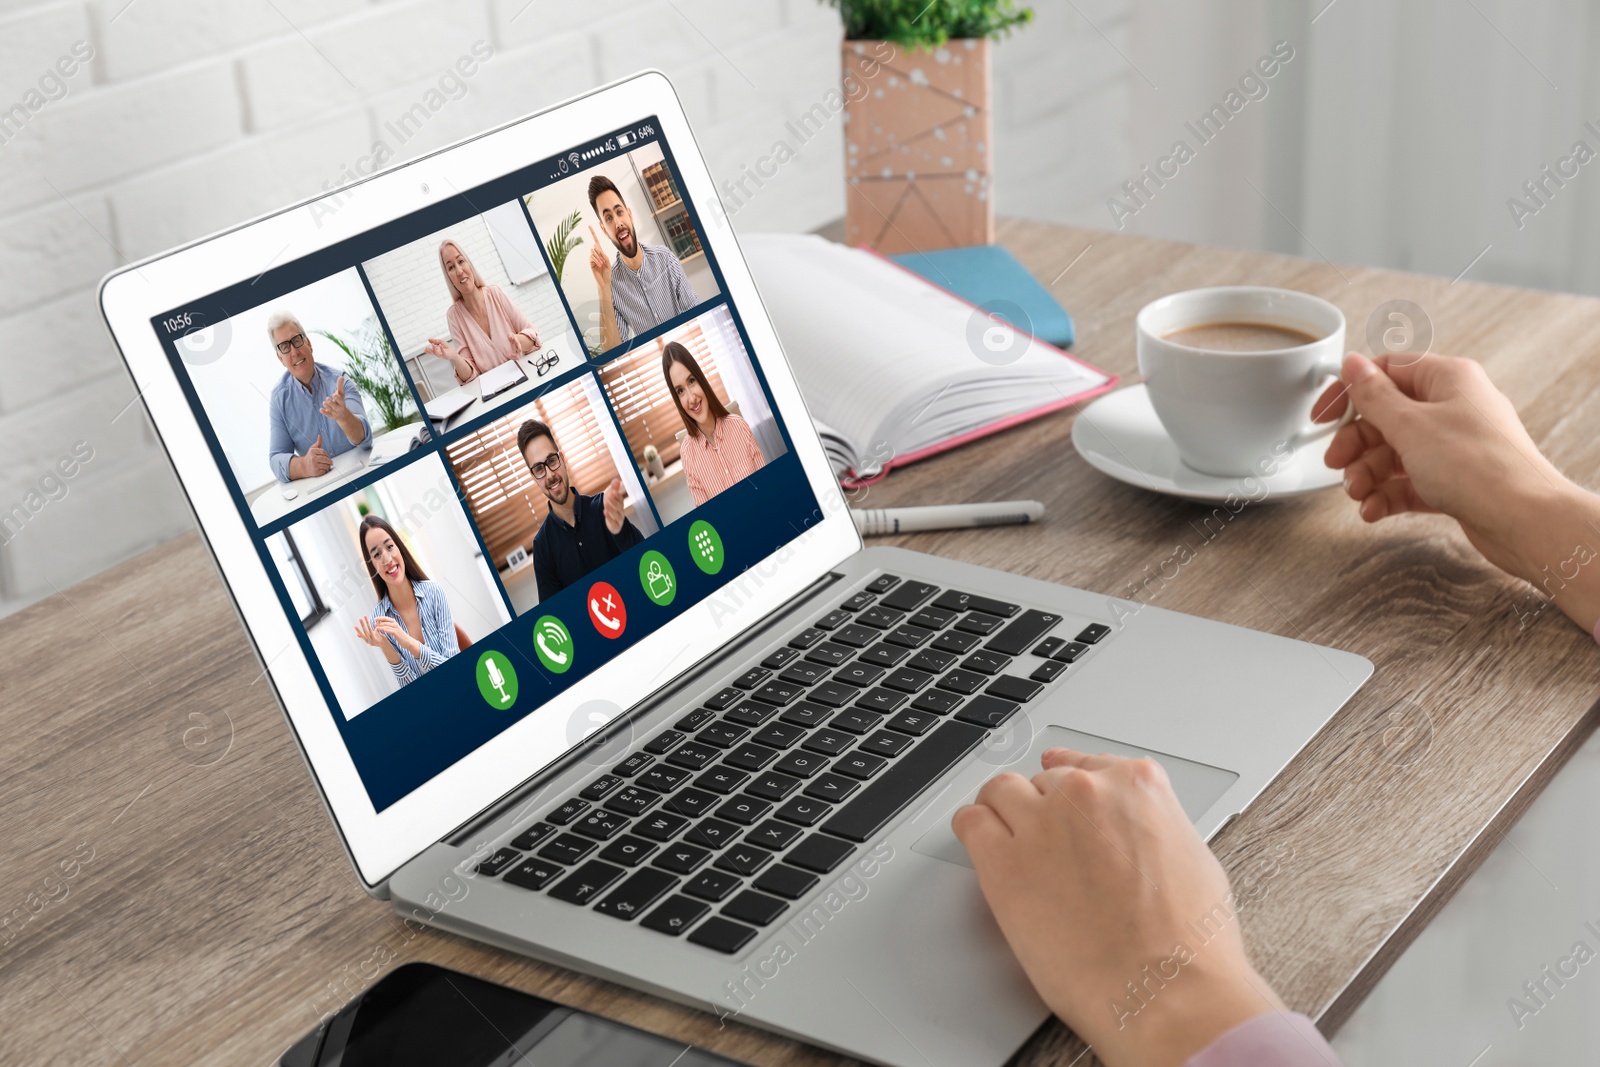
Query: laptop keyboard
[{"x": 746, "y": 803}]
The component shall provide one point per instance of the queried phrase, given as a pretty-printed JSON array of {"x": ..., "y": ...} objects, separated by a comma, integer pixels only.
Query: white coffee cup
[{"x": 1231, "y": 411}]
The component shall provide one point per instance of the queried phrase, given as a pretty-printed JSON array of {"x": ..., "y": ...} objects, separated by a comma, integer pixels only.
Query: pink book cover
[{"x": 850, "y": 480}]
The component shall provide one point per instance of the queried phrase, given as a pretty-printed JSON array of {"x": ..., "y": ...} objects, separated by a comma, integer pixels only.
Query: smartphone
[{"x": 419, "y": 1015}]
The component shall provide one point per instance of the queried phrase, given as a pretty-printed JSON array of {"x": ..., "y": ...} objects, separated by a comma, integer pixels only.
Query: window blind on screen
[
  {"x": 507, "y": 505},
  {"x": 642, "y": 400}
]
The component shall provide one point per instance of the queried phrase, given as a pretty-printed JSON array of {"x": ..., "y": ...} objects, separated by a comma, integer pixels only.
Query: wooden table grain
[{"x": 172, "y": 892}]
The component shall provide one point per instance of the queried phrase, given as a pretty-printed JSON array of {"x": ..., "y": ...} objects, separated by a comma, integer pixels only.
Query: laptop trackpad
[{"x": 1198, "y": 785}]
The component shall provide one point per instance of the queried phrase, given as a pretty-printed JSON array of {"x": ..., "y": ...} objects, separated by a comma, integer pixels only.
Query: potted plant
[
  {"x": 562, "y": 242},
  {"x": 919, "y": 147},
  {"x": 370, "y": 364}
]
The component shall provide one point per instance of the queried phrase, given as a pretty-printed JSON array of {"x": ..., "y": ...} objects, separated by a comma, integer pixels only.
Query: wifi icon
[{"x": 572, "y": 157}]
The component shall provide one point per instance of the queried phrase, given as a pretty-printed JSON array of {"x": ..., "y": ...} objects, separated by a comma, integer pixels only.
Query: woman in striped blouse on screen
[
  {"x": 719, "y": 448},
  {"x": 411, "y": 625}
]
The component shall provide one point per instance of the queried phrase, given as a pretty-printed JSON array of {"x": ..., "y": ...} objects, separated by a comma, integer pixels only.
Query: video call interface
[{"x": 485, "y": 448}]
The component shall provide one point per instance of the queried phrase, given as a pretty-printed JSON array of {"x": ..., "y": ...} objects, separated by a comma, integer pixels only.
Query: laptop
[{"x": 708, "y": 744}]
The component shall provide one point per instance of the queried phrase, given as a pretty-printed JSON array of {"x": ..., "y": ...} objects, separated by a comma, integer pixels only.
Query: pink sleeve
[
  {"x": 458, "y": 334},
  {"x": 754, "y": 449},
  {"x": 1278, "y": 1039},
  {"x": 520, "y": 323}
]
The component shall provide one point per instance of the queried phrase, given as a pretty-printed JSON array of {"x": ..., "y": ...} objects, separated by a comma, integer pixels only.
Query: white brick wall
[{"x": 194, "y": 114}]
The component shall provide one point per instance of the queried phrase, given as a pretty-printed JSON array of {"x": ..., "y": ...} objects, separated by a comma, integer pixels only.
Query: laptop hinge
[{"x": 639, "y": 712}]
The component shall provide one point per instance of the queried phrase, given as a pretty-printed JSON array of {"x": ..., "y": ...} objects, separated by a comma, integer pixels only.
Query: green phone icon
[
  {"x": 705, "y": 545},
  {"x": 655, "y": 574},
  {"x": 553, "y": 643},
  {"x": 497, "y": 679}
]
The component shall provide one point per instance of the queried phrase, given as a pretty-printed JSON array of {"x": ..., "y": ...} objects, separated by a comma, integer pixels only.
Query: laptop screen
[{"x": 487, "y": 447}]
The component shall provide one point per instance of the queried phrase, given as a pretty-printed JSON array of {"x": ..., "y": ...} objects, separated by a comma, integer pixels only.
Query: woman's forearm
[{"x": 1557, "y": 547}]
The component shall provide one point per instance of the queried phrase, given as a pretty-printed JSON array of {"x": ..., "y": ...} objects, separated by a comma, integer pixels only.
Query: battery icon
[{"x": 624, "y": 139}]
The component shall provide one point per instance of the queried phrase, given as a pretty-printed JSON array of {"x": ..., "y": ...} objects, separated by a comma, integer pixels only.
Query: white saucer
[{"x": 1120, "y": 435}]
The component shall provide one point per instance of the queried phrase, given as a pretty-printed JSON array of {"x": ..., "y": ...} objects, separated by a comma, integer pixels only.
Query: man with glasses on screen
[
  {"x": 316, "y": 414},
  {"x": 581, "y": 532}
]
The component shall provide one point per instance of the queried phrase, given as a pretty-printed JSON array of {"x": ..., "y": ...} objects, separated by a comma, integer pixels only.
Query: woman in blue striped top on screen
[{"x": 411, "y": 625}]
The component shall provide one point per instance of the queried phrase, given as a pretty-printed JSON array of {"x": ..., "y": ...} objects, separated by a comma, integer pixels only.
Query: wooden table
[{"x": 217, "y": 916}]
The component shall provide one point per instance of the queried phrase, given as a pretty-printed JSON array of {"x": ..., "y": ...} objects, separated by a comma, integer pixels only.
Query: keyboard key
[
  {"x": 801, "y": 764},
  {"x": 600, "y": 787},
  {"x": 722, "y": 734},
  {"x": 880, "y": 618},
  {"x": 694, "y": 720},
  {"x": 661, "y": 826},
  {"x": 881, "y": 700},
  {"x": 884, "y": 654},
  {"x": 663, "y": 779},
  {"x": 642, "y": 889},
  {"x": 1093, "y": 633},
  {"x": 985, "y": 662},
  {"x": 835, "y": 619},
  {"x": 712, "y": 833},
  {"x": 533, "y": 835},
  {"x": 980, "y": 624},
  {"x": 833, "y": 694},
  {"x": 1048, "y": 671},
  {"x": 1048, "y": 647},
  {"x": 755, "y": 907},
  {"x": 932, "y": 618},
  {"x": 963, "y": 682},
  {"x": 773, "y": 834},
  {"x": 682, "y": 858},
  {"x": 712, "y": 885},
  {"x": 1069, "y": 652},
  {"x": 889, "y": 794},
  {"x": 693, "y": 802},
  {"x": 861, "y": 765},
  {"x": 909, "y": 636},
  {"x": 633, "y": 764},
  {"x": 955, "y": 641},
  {"x": 858, "y": 674},
  {"x": 828, "y": 741},
  {"x": 772, "y": 785},
  {"x": 780, "y": 657},
  {"x": 1020, "y": 633},
  {"x": 743, "y": 859},
  {"x": 779, "y": 693},
  {"x": 674, "y": 916},
  {"x": 886, "y": 743},
  {"x": 804, "y": 811},
  {"x": 750, "y": 713},
  {"x": 587, "y": 882},
  {"x": 807, "y": 637},
  {"x": 910, "y": 596},
  {"x": 804, "y": 674},
  {"x": 932, "y": 660},
  {"x": 743, "y": 809},
  {"x": 751, "y": 756},
  {"x": 937, "y": 701},
  {"x": 785, "y": 881},
  {"x": 600, "y": 825},
  {"x": 855, "y": 720},
  {"x": 499, "y": 861},
  {"x": 987, "y": 711},
  {"x": 882, "y": 583},
  {"x": 568, "y": 811},
  {"x": 819, "y": 853},
  {"x": 628, "y": 850},
  {"x": 1010, "y": 687},
  {"x": 829, "y": 654},
  {"x": 908, "y": 680},
  {"x": 751, "y": 678},
  {"x": 724, "y": 698},
  {"x": 693, "y": 755},
  {"x": 857, "y": 602},
  {"x": 915, "y": 723},
  {"x": 722, "y": 779},
  {"x": 534, "y": 874},
  {"x": 633, "y": 801},
  {"x": 951, "y": 600},
  {"x": 804, "y": 714},
  {"x": 663, "y": 743},
  {"x": 855, "y": 635},
  {"x": 831, "y": 787},
  {"x": 722, "y": 935},
  {"x": 780, "y": 734}
]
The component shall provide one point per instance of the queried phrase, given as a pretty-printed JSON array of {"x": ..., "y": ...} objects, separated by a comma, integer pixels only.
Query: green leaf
[
  {"x": 370, "y": 364},
  {"x": 927, "y": 24}
]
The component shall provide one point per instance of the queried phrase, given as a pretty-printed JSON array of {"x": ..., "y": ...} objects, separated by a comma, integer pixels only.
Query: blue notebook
[{"x": 991, "y": 278}]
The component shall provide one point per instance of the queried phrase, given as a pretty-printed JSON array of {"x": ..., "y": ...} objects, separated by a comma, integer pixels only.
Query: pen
[{"x": 874, "y": 521}]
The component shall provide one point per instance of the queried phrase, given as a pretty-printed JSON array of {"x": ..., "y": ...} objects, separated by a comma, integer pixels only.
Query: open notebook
[{"x": 894, "y": 369}]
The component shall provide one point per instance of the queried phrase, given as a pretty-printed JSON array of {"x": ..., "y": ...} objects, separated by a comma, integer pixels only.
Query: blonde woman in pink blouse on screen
[
  {"x": 719, "y": 448},
  {"x": 487, "y": 328}
]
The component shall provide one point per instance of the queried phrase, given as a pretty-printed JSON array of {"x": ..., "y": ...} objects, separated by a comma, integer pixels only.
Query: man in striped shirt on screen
[{"x": 645, "y": 285}]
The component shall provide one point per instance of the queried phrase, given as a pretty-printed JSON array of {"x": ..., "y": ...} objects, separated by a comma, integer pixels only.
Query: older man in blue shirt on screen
[{"x": 315, "y": 413}]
